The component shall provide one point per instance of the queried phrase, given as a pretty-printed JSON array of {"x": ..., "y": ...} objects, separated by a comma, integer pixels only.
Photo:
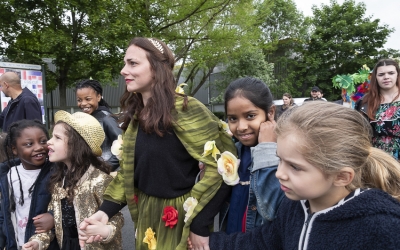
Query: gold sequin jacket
[{"x": 88, "y": 198}]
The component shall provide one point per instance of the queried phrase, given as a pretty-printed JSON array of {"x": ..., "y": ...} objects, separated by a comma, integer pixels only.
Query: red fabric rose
[
  {"x": 136, "y": 199},
  {"x": 170, "y": 216}
]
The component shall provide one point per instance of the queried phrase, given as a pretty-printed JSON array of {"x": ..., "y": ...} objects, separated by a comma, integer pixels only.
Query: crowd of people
[{"x": 308, "y": 177}]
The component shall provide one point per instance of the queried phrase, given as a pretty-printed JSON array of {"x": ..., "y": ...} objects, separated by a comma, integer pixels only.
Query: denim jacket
[{"x": 265, "y": 194}]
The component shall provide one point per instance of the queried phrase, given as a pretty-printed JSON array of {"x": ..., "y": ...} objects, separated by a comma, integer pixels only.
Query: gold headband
[{"x": 157, "y": 44}]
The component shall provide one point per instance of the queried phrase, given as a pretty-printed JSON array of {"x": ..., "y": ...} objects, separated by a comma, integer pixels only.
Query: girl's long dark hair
[
  {"x": 81, "y": 157},
  {"x": 162, "y": 101},
  {"x": 13, "y": 133}
]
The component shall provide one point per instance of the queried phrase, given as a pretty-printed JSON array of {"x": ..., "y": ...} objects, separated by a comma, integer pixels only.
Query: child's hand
[
  {"x": 198, "y": 242},
  {"x": 43, "y": 222},
  {"x": 31, "y": 245},
  {"x": 267, "y": 133}
]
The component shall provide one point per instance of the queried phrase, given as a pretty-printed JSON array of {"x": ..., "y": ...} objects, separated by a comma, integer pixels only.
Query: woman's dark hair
[
  {"x": 96, "y": 86},
  {"x": 80, "y": 161},
  {"x": 252, "y": 89},
  {"x": 162, "y": 101},
  {"x": 13, "y": 133},
  {"x": 374, "y": 98}
]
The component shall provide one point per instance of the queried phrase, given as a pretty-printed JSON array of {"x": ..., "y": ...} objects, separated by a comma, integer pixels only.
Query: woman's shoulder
[
  {"x": 194, "y": 108},
  {"x": 191, "y": 101}
]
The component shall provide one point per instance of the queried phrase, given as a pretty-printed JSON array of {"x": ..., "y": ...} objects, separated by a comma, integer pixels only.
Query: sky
[{"x": 385, "y": 10}]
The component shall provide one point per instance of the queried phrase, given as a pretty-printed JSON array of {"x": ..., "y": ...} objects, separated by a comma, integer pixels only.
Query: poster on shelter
[{"x": 32, "y": 79}]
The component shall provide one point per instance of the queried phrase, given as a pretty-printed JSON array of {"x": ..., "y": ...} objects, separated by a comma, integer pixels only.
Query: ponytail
[
  {"x": 103, "y": 102},
  {"x": 381, "y": 171}
]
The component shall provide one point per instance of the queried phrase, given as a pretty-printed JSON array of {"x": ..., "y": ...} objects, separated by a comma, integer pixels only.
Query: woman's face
[
  {"x": 286, "y": 100},
  {"x": 387, "y": 77},
  {"x": 137, "y": 72}
]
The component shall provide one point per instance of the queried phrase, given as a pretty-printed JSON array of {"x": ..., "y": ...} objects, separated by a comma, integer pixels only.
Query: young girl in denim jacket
[{"x": 250, "y": 112}]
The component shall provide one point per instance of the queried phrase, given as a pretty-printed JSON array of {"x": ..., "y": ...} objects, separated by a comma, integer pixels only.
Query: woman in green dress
[{"x": 163, "y": 142}]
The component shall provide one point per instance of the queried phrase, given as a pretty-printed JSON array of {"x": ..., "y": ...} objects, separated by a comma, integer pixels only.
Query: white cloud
[{"x": 385, "y": 10}]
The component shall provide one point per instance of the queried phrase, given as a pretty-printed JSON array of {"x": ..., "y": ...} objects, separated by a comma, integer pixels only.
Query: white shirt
[{"x": 28, "y": 177}]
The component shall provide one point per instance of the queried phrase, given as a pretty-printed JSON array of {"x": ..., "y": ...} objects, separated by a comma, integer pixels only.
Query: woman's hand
[
  {"x": 267, "y": 133},
  {"x": 43, "y": 222},
  {"x": 198, "y": 242},
  {"x": 189, "y": 244},
  {"x": 100, "y": 217},
  {"x": 96, "y": 228},
  {"x": 31, "y": 245}
]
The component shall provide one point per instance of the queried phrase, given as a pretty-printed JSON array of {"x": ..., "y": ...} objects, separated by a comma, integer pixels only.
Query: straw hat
[{"x": 86, "y": 125}]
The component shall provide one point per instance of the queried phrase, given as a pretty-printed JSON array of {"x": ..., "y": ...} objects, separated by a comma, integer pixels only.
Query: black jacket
[
  {"x": 25, "y": 106},
  {"x": 112, "y": 130},
  {"x": 369, "y": 220},
  {"x": 39, "y": 203}
]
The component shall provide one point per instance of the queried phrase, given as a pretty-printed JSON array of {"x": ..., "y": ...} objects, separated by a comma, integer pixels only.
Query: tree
[
  {"x": 86, "y": 41},
  {"x": 283, "y": 29},
  {"x": 343, "y": 39},
  {"x": 82, "y": 41},
  {"x": 219, "y": 29},
  {"x": 250, "y": 62}
]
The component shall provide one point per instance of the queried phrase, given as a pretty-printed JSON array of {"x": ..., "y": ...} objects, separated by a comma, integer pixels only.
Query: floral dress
[{"x": 387, "y": 128}]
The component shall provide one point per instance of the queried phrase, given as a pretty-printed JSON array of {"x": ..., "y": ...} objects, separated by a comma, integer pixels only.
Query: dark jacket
[
  {"x": 112, "y": 130},
  {"x": 370, "y": 220},
  {"x": 313, "y": 99},
  {"x": 40, "y": 200},
  {"x": 25, "y": 106}
]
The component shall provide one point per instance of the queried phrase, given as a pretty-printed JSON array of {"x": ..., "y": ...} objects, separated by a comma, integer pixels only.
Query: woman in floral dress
[{"x": 381, "y": 106}]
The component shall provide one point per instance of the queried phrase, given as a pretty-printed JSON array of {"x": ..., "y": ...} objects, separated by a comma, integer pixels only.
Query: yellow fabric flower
[
  {"x": 228, "y": 166},
  {"x": 179, "y": 88},
  {"x": 116, "y": 147},
  {"x": 150, "y": 239},
  {"x": 224, "y": 125},
  {"x": 189, "y": 206},
  {"x": 211, "y": 148}
]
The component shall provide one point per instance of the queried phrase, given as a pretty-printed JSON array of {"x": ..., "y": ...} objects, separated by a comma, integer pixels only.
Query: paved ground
[{"x": 128, "y": 231}]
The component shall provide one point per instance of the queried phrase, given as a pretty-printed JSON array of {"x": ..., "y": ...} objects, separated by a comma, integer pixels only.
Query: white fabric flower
[
  {"x": 228, "y": 166},
  {"x": 189, "y": 206},
  {"x": 116, "y": 147}
]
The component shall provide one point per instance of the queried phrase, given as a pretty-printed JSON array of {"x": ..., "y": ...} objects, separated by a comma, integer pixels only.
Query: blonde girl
[{"x": 341, "y": 193}]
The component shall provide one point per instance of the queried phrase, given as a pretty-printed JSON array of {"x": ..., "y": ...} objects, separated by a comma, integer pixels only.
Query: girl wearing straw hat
[
  {"x": 164, "y": 137},
  {"x": 78, "y": 183}
]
